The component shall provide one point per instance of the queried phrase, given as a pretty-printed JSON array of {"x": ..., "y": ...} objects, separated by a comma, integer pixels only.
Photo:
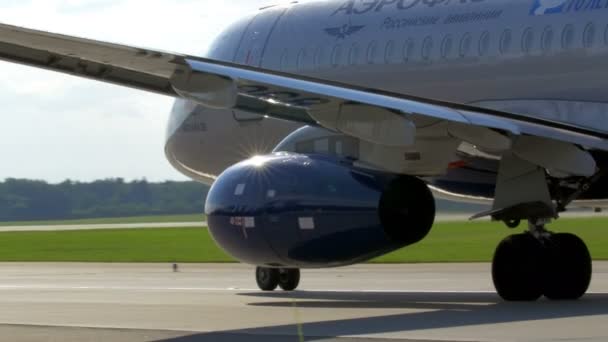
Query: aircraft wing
[
  {"x": 129, "y": 66},
  {"x": 369, "y": 114}
]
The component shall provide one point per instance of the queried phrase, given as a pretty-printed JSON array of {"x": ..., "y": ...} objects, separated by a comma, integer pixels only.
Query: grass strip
[
  {"x": 476, "y": 241},
  {"x": 125, "y": 245},
  {"x": 448, "y": 242},
  {"x": 112, "y": 220}
]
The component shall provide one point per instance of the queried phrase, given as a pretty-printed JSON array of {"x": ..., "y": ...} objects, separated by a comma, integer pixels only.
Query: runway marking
[
  {"x": 118, "y": 288},
  {"x": 214, "y": 289},
  {"x": 234, "y": 290}
]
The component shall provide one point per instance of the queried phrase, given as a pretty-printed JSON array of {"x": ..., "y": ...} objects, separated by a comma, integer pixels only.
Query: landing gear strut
[
  {"x": 527, "y": 266},
  {"x": 538, "y": 262},
  {"x": 269, "y": 279}
]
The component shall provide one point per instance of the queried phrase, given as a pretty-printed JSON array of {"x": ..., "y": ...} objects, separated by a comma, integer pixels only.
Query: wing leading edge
[
  {"x": 336, "y": 106},
  {"x": 119, "y": 64}
]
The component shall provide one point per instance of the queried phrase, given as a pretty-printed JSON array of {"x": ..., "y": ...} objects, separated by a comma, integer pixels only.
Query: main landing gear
[
  {"x": 536, "y": 263},
  {"x": 269, "y": 279},
  {"x": 540, "y": 263}
]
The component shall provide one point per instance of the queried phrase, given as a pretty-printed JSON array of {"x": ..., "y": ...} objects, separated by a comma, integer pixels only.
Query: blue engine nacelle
[{"x": 294, "y": 210}]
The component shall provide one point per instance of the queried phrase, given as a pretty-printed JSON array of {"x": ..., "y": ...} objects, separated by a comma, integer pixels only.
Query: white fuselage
[{"x": 533, "y": 57}]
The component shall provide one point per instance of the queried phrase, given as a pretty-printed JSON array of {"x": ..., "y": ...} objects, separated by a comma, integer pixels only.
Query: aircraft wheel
[
  {"x": 512, "y": 223},
  {"x": 568, "y": 267},
  {"x": 516, "y": 268},
  {"x": 289, "y": 278},
  {"x": 267, "y": 278}
]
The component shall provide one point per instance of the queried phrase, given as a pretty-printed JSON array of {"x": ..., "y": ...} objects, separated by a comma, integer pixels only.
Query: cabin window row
[{"x": 449, "y": 47}]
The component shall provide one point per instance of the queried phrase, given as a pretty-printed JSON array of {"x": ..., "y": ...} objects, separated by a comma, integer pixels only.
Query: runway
[
  {"x": 67, "y": 227},
  {"x": 126, "y": 302},
  {"x": 441, "y": 217},
  {"x": 148, "y": 225}
]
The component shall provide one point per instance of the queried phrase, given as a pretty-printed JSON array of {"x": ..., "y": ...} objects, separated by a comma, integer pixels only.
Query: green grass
[
  {"x": 448, "y": 242},
  {"x": 114, "y": 220},
  {"x": 476, "y": 241},
  {"x": 129, "y": 245}
]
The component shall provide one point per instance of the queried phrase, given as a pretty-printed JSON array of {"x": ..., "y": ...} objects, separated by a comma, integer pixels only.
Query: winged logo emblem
[{"x": 341, "y": 32}]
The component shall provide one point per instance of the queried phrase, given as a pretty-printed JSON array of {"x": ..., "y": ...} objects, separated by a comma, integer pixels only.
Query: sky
[{"x": 55, "y": 127}]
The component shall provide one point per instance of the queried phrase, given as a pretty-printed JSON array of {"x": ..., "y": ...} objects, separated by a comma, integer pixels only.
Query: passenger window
[
  {"x": 427, "y": 48},
  {"x": 408, "y": 50},
  {"x": 506, "y": 39},
  {"x": 318, "y": 57},
  {"x": 568, "y": 37},
  {"x": 547, "y": 39},
  {"x": 285, "y": 61},
  {"x": 465, "y": 45},
  {"x": 527, "y": 40},
  {"x": 301, "y": 62},
  {"x": 589, "y": 36},
  {"x": 446, "y": 46},
  {"x": 353, "y": 55},
  {"x": 372, "y": 51},
  {"x": 484, "y": 43},
  {"x": 336, "y": 56},
  {"x": 389, "y": 52}
]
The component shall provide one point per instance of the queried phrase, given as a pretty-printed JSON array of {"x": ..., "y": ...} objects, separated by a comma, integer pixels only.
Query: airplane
[{"x": 328, "y": 128}]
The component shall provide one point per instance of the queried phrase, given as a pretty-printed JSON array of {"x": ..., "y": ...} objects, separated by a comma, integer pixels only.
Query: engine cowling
[{"x": 302, "y": 211}]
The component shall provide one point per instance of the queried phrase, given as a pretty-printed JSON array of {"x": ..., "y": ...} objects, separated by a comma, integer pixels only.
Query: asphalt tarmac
[
  {"x": 148, "y": 225},
  {"x": 141, "y": 302},
  {"x": 67, "y": 227},
  {"x": 441, "y": 217}
]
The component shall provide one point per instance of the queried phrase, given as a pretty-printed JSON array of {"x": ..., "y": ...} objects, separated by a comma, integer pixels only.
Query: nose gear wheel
[
  {"x": 289, "y": 279},
  {"x": 268, "y": 279}
]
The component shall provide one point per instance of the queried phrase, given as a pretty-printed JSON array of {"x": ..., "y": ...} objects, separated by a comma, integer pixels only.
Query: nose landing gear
[
  {"x": 527, "y": 266},
  {"x": 269, "y": 279}
]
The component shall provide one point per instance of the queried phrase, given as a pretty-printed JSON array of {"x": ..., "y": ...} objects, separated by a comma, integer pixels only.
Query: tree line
[
  {"x": 22, "y": 199},
  {"x": 31, "y": 200}
]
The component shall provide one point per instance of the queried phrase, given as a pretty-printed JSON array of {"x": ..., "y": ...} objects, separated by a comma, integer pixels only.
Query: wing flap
[{"x": 322, "y": 100}]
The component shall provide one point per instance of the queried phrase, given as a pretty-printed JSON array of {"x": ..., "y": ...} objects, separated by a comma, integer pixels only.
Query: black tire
[
  {"x": 267, "y": 278},
  {"x": 516, "y": 268},
  {"x": 568, "y": 268},
  {"x": 512, "y": 223},
  {"x": 289, "y": 279}
]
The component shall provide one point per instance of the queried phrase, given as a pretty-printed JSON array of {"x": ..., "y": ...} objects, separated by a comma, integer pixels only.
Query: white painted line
[
  {"x": 118, "y": 288},
  {"x": 236, "y": 290},
  {"x": 217, "y": 289}
]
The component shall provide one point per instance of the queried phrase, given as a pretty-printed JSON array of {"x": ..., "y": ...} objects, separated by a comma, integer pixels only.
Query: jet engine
[{"x": 297, "y": 210}]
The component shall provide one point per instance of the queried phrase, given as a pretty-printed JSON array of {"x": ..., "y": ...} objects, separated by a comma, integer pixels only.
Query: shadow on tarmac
[{"x": 444, "y": 310}]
